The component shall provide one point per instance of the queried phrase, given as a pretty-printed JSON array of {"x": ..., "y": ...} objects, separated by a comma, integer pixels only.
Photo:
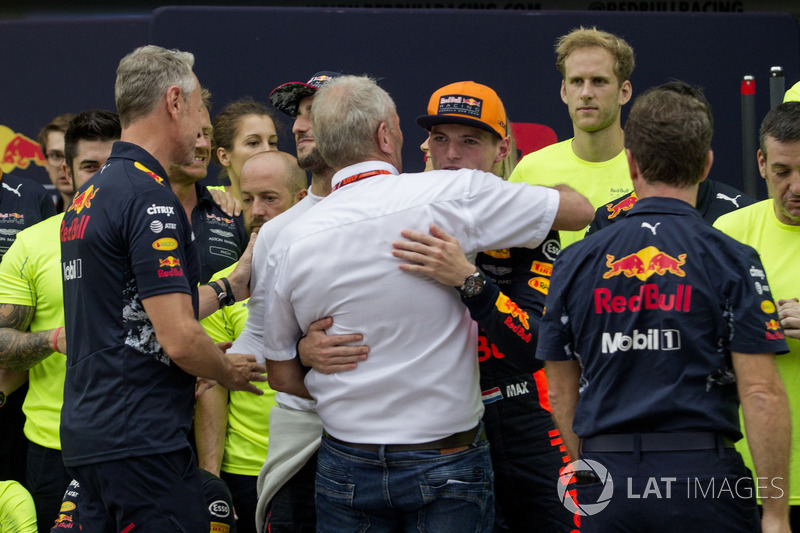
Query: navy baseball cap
[{"x": 286, "y": 97}]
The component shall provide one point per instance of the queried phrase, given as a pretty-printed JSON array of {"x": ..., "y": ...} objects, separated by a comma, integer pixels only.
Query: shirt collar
[
  {"x": 662, "y": 205},
  {"x": 133, "y": 152},
  {"x": 358, "y": 168}
]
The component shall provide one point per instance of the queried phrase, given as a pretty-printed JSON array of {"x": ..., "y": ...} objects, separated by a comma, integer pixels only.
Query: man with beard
[{"x": 231, "y": 430}]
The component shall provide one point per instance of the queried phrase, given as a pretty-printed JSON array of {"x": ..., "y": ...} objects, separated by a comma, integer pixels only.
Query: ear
[
  {"x": 762, "y": 163},
  {"x": 175, "y": 102},
  {"x": 222, "y": 155},
  {"x": 384, "y": 139},
  {"x": 299, "y": 195},
  {"x": 625, "y": 92},
  {"x": 709, "y": 162},
  {"x": 68, "y": 173},
  {"x": 564, "y": 91},
  {"x": 503, "y": 149}
]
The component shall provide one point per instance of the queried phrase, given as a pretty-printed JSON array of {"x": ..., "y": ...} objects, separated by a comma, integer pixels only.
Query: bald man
[{"x": 230, "y": 429}]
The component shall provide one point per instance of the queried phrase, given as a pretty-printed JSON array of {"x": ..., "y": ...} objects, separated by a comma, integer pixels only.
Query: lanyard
[{"x": 362, "y": 176}]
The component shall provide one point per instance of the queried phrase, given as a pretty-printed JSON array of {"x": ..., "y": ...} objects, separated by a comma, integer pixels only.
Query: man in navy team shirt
[{"x": 134, "y": 344}]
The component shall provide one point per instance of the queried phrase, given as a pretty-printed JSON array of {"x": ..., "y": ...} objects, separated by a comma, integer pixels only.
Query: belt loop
[
  {"x": 478, "y": 434},
  {"x": 637, "y": 448}
]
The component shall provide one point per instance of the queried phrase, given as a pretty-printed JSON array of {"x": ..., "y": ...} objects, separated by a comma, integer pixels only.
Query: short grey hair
[
  {"x": 345, "y": 116},
  {"x": 144, "y": 75}
]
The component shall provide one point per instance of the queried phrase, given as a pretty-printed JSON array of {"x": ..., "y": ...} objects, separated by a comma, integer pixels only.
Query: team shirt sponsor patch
[
  {"x": 149, "y": 172},
  {"x": 645, "y": 263},
  {"x": 83, "y": 200},
  {"x": 540, "y": 267},
  {"x": 551, "y": 249},
  {"x": 540, "y": 284},
  {"x": 165, "y": 243},
  {"x": 768, "y": 307}
]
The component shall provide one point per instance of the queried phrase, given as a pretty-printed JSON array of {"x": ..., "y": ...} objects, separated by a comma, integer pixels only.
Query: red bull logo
[
  {"x": 649, "y": 297},
  {"x": 623, "y": 205},
  {"x": 774, "y": 330},
  {"x": 504, "y": 305},
  {"x": 16, "y": 216},
  {"x": 18, "y": 151},
  {"x": 75, "y": 230},
  {"x": 645, "y": 263},
  {"x": 773, "y": 325},
  {"x": 83, "y": 200},
  {"x": 149, "y": 172},
  {"x": 170, "y": 261}
]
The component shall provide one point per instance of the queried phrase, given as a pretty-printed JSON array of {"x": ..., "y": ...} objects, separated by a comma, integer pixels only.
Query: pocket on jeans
[
  {"x": 335, "y": 490},
  {"x": 466, "y": 482}
]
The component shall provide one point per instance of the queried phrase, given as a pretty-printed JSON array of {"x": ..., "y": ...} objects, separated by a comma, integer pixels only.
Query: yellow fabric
[
  {"x": 247, "y": 436},
  {"x": 601, "y": 183},
  {"x": 30, "y": 275},
  {"x": 793, "y": 94},
  {"x": 17, "y": 512},
  {"x": 779, "y": 247}
]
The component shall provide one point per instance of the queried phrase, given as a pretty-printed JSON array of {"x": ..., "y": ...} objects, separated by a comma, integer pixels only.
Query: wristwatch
[
  {"x": 473, "y": 285},
  {"x": 225, "y": 296}
]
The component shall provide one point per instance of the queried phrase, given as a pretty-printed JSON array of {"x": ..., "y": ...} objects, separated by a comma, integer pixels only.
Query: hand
[
  {"x": 240, "y": 277},
  {"x": 243, "y": 368},
  {"x": 226, "y": 201},
  {"x": 789, "y": 315},
  {"x": 202, "y": 386},
  {"x": 438, "y": 255},
  {"x": 330, "y": 354}
]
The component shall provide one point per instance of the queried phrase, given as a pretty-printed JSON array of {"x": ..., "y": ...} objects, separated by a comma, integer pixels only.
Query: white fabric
[
  {"x": 252, "y": 338},
  {"x": 295, "y": 436},
  {"x": 420, "y": 381}
]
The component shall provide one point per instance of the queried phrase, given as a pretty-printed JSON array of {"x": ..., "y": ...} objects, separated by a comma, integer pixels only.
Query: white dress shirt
[{"x": 420, "y": 381}]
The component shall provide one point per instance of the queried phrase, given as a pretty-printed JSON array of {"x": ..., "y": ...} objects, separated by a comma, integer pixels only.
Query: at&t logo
[{"x": 566, "y": 495}]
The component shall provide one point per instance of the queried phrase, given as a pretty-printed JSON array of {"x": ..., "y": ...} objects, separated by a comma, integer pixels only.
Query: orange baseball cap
[{"x": 467, "y": 103}]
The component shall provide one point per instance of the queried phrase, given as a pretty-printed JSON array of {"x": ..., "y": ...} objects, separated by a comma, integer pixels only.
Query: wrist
[{"x": 473, "y": 284}]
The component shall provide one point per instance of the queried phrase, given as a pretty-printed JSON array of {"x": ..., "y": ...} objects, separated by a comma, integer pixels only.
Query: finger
[
  {"x": 335, "y": 369},
  {"x": 321, "y": 324},
  {"x": 252, "y": 388},
  {"x": 439, "y": 233},
  {"x": 343, "y": 341},
  {"x": 418, "y": 236},
  {"x": 224, "y": 346}
]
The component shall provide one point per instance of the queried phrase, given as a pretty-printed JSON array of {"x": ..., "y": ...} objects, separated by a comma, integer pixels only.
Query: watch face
[{"x": 473, "y": 285}]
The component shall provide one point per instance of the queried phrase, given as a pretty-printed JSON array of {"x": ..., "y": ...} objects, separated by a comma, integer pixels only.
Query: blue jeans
[{"x": 420, "y": 491}]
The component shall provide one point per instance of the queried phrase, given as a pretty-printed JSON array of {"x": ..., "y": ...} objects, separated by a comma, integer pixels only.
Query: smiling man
[
  {"x": 596, "y": 66},
  {"x": 222, "y": 238}
]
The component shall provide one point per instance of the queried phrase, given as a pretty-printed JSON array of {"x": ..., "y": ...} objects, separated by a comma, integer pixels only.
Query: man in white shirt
[{"x": 408, "y": 417}]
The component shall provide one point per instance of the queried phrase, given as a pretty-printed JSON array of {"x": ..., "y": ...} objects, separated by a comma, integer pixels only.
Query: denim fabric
[{"x": 420, "y": 491}]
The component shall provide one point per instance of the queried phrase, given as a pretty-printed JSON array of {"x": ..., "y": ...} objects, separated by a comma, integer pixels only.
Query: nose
[
  {"x": 301, "y": 125},
  {"x": 585, "y": 90},
  {"x": 453, "y": 152},
  {"x": 203, "y": 141},
  {"x": 259, "y": 207}
]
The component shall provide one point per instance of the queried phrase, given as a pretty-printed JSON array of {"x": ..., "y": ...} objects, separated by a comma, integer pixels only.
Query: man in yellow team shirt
[
  {"x": 596, "y": 66},
  {"x": 772, "y": 227},
  {"x": 232, "y": 429}
]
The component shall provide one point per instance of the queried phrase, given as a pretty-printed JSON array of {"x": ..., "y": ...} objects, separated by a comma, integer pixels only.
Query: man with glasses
[{"x": 51, "y": 139}]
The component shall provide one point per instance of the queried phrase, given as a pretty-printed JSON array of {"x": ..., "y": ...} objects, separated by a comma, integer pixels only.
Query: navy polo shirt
[
  {"x": 124, "y": 238},
  {"x": 23, "y": 203},
  {"x": 220, "y": 239},
  {"x": 651, "y": 307}
]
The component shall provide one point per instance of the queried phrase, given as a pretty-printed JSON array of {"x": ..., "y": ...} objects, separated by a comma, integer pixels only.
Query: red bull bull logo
[
  {"x": 170, "y": 261},
  {"x": 623, "y": 205},
  {"x": 645, "y": 263},
  {"x": 774, "y": 330},
  {"x": 149, "y": 172},
  {"x": 18, "y": 151},
  {"x": 773, "y": 325},
  {"x": 83, "y": 200},
  {"x": 505, "y": 305}
]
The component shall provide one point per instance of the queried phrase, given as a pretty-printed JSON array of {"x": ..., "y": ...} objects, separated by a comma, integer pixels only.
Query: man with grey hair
[
  {"x": 133, "y": 342},
  {"x": 407, "y": 418}
]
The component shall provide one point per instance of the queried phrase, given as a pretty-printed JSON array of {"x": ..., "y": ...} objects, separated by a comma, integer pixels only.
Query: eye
[
  {"x": 247, "y": 200},
  {"x": 253, "y": 143},
  {"x": 273, "y": 143},
  {"x": 438, "y": 138}
]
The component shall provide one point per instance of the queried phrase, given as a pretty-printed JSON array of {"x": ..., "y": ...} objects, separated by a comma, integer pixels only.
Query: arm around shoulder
[{"x": 575, "y": 212}]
